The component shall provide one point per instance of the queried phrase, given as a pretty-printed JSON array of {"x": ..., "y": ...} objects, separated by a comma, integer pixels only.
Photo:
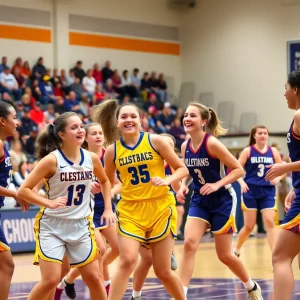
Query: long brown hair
[
  {"x": 252, "y": 140},
  {"x": 213, "y": 125},
  {"x": 106, "y": 115},
  {"x": 87, "y": 127}
]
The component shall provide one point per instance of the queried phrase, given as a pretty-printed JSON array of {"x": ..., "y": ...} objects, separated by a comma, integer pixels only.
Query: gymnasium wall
[
  {"x": 237, "y": 50},
  {"x": 134, "y": 33}
]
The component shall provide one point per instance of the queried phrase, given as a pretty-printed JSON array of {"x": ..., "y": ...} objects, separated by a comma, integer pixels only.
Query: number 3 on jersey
[
  {"x": 200, "y": 177},
  {"x": 77, "y": 200},
  {"x": 139, "y": 174},
  {"x": 261, "y": 171}
]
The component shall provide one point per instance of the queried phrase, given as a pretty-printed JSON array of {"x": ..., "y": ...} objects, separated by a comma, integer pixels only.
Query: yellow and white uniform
[
  {"x": 146, "y": 213},
  {"x": 68, "y": 230}
]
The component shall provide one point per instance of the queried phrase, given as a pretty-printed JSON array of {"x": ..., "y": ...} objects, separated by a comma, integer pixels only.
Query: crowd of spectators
[{"x": 39, "y": 94}]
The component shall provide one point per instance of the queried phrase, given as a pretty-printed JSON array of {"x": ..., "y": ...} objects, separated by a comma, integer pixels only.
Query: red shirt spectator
[
  {"x": 99, "y": 95},
  {"x": 97, "y": 74},
  {"x": 36, "y": 114}
]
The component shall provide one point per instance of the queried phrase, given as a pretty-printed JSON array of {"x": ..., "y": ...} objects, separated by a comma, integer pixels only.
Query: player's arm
[
  {"x": 217, "y": 149},
  {"x": 109, "y": 164},
  {"x": 243, "y": 160},
  {"x": 44, "y": 169},
  {"x": 176, "y": 184},
  {"x": 117, "y": 189},
  {"x": 169, "y": 155},
  {"x": 186, "y": 181}
]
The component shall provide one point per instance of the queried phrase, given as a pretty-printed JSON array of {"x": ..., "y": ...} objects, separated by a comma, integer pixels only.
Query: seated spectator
[
  {"x": 3, "y": 64},
  {"x": 109, "y": 90},
  {"x": 97, "y": 74},
  {"x": 49, "y": 114},
  {"x": 145, "y": 86},
  {"x": 78, "y": 71},
  {"x": 18, "y": 64},
  {"x": 20, "y": 79},
  {"x": 7, "y": 98},
  {"x": 117, "y": 83},
  {"x": 29, "y": 145},
  {"x": 135, "y": 80},
  {"x": 26, "y": 71},
  {"x": 128, "y": 87},
  {"x": 59, "y": 107},
  {"x": 71, "y": 77},
  {"x": 20, "y": 175},
  {"x": 55, "y": 79},
  {"x": 39, "y": 69},
  {"x": 28, "y": 92},
  {"x": 35, "y": 89},
  {"x": 19, "y": 110},
  {"x": 126, "y": 99},
  {"x": 154, "y": 82},
  {"x": 77, "y": 88},
  {"x": 71, "y": 104},
  {"x": 178, "y": 132},
  {"x": 16, "y": 152},
  {"x": 162, "y": 88},
  {"x": 36, "y": 114},
  {"x": 9, "y": 84},
  {"x": 152, "y": 102},
  {"x": 27, "y": 125},
  {"x": 166, "y": 117},
  {"x": 89, "y": 84},
  {"x": 99, "y": 95},
  {"x": 107, "y": 72},
  {"x": 57, "y": 90},
  {"x": 47, "y": 91},
  {"x": 85, "y": 107}
]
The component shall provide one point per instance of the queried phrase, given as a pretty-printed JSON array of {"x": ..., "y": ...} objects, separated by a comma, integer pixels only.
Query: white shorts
[{"x": 56, "y": 237}]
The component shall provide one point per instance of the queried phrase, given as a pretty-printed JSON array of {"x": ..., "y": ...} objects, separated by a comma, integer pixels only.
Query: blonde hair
[{"x": 213, "y": 125}]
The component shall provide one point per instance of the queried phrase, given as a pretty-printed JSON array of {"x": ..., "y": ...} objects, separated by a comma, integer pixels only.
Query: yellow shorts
[{"x": 148, "y": 221}]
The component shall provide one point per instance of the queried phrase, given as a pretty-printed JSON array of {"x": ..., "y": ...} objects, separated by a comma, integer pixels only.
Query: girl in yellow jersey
[{"x": 146, "y": 212}]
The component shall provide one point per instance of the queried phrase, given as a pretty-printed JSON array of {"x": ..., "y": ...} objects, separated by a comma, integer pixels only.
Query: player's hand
[
  {"x": 275, "y": 181},
  {"x": 244, "y": 187},
  {"x": 58, "y": 202},
  {"x": 180, "y": 196},
  {"x": 289, "y": 200},
  {"x": 209, "y": 188},
  {"x": 275, "y": 170},
  {"x": 95, "y": 188},
  {"x": 24, "y": 204},
  {"x": 158, "y": 181},
  {"x": 109, "y": 217}
]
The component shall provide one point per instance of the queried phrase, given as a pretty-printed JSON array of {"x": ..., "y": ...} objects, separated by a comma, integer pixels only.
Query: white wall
[{"x": 237, "y": 50}]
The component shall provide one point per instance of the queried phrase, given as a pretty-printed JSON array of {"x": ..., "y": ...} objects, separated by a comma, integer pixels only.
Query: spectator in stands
[
  {"x": 117, "y": 83},
  {"x": 32, "y": 100},
  {"x": 17, "y": 153},
  {"x": 18, "y": 64},
  {"x": 20, "y": 79},
  {"x": 19, "y": 110},
  {"x": 153, "y": 81},
  {"x": 71, "y": 77},
  {"x": 49, "y": 114},
  {"x": 77, "y": 88},
  {"x": 55, "y": 79},
  {"x": 109, "y": 89},
  {"x": 99, "y": 95},
  {"x": 39, "y": 69},
  {"x": 27, "y": 123},
  {"x": 89, "y": 84},
  {"x": 9, "y": 84},
  {"x": 59, "y": 107},
  {"x": 97, "y": 74},
  {"x": 7, "y": 98},
  {"x": 21, "y": 174},
  {"x": 26, "y": 101},
  {"x": 152, "y": 112},
  {"x": 36, "y": 114},
  {"x": 152, "y": 101},
  {"x": 85, "y": 107},
  {"x": 71, "y": 104},
  {"x": 29, "y": 146},
  {"x": 57, "y": 90},
  {"x": 135, "y": 80},
  {"x": 162, "y": 88},
  {"x": 35, "y": 89},
  {"x": 107, "y": 72},
  {"x": 166, "y": 117},
  {"x": 145, "y": 86},
  {"x": 127, "y": 85},
  {"x": 3, "y": 64},
  {"x": 26, "y": 71},
  {"x": 178, "y": 132},
  {"x": 78, "y": 71},
  {"x": 47, "y": 90}
]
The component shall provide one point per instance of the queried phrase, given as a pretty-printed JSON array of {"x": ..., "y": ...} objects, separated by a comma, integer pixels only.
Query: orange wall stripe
[
  {"x": 120, "y": 43},
  {"x": 25, "y": 33}
]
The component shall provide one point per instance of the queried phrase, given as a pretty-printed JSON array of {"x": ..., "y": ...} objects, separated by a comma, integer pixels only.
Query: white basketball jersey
[{"x": 74, "y": 182}]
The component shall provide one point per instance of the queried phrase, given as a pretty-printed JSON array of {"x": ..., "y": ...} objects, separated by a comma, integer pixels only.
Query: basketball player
[
  {"x": 146, "y": 212},
  {"x": 94, "y": 141},
  {"x": 257, "y": 192},
  {"x": 287, "y": 244},
  {"x": 64, "y": 225},
  {"x": 8, "y": 127},
  {"x": 213, "y": 203}
]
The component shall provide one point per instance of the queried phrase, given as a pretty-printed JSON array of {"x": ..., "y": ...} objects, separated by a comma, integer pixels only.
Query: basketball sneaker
[
  {"x": 70, "y": 290},
  {"x": 255, "y": 293},
  {"x": 174, "y": 264},
  {"x": 58, "y": 293}
]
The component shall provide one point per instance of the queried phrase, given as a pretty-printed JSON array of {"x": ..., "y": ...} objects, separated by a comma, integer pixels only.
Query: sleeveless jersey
[
  {"x": 98, "y": 198},
  {"x": 135, "y": 168},
  {"x": 293, "y": 143},
  {"x": 256, "y": 166},
  {"x": 203, "y": 167},
  {"x": 5, "y": 172},
  {"x": 74, "y": 182}
]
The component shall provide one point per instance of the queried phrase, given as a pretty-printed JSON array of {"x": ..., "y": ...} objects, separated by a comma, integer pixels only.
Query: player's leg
[
  {"x": 269, "y": 223},
  {"x": 286, "y": 247},
  {"x": 6, "y": 270},
  {"x": 180, "y": 213},
  {"x": 161, "y": 253},
  {"x": 141, "y": 271},
  {"x": 65, "y": 269},
  {"x": 50, "y": 277},
  {"x": 128, "y": 249}
]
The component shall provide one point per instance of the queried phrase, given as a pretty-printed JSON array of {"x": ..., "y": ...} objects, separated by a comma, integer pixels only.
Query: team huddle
[{"x": 83, "y": 167}]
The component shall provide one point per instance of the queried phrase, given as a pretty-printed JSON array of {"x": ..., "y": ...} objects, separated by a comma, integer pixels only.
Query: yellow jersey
[{"x": 135, "y": 168}]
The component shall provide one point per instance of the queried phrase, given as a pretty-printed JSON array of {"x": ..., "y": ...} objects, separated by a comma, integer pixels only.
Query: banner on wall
[
  {"x": 293, "y": 54},
  {"x": 18, "y": 229}
]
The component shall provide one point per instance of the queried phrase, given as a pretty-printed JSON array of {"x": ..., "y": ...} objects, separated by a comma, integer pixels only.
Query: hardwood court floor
[{"x": 211, "y": 280}]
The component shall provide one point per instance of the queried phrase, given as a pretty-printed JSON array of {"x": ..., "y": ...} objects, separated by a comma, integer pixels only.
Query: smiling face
[
  {"x": 291, "y": 95},
  {"x": 94, "y": 137},
  {"x": 128, "y": 120},
  {"x": 192, "y": 120},
  {"x": 9, "y": 123}
]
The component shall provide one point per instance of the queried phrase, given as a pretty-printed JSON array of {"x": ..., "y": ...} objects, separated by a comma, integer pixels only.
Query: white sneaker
[
  {"x": 255, "y": 294},
  {"x": 174, "y": 263}
]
